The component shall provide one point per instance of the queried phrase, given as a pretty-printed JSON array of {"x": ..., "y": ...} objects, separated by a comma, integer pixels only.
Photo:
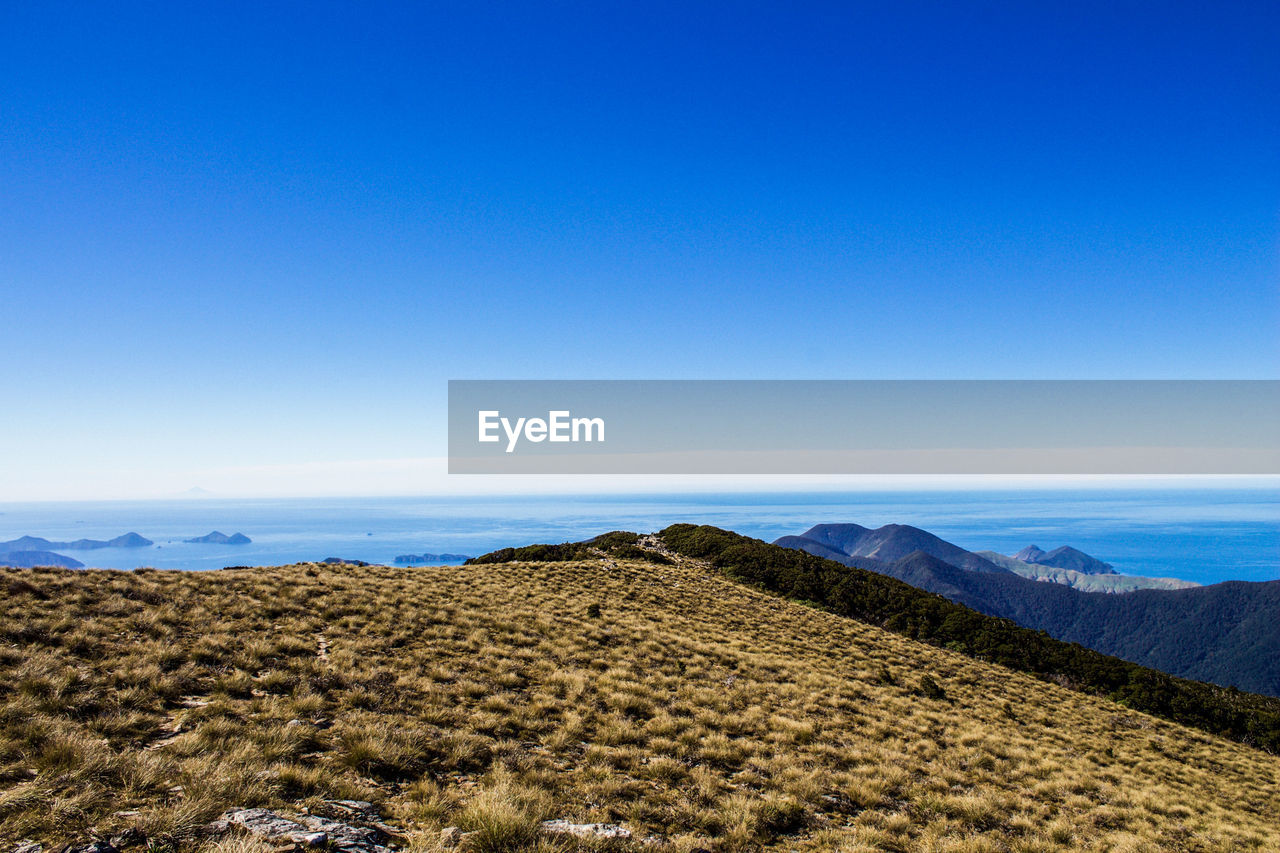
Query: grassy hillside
[
  {"x": 962, "y": 621},
  {"x": 661, "y": 696}
]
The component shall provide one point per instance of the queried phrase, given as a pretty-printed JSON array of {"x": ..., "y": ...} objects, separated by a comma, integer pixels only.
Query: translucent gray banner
[{"x": 864, "y": 427}]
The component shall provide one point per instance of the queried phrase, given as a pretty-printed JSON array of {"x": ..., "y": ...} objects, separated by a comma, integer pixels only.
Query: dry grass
[{"x": 492, "y": 697}]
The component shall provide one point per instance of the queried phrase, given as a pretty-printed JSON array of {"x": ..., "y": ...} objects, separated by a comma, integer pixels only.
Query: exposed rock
[
  {"x": 28, "y": 846},
  {"x": 310, "y": 830},
  {"x": 585, "y": 830},
  {"x": 343, "y": 836},
  {"x": 269, "y": 825},
  {"x": 361, "y": 811}
]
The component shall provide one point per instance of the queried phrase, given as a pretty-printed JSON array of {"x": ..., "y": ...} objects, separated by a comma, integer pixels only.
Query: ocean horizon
[{"x": 1201, "y": 535}]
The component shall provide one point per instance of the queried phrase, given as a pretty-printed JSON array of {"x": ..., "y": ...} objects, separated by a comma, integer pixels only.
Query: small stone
[
  {"x": 128, "y": 838},
  {"x": 95, "y": 846},
  {"x": 354, "y": 805},
  {"x": 450, "y": 836}
]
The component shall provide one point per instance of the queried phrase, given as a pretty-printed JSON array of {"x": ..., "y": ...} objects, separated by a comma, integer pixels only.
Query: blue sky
[{"x": 237, "y": 238}]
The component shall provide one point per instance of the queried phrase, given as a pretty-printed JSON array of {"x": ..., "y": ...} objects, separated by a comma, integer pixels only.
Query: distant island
[
  {"x": 342, "y": 561},
  {"x": 32, "y": 559},
  {"x": 217, "y": 537},
  {"x": 31, "y": 551},
  {"x": 37, "y": 543},
  {"x": 414, "y": 559}
]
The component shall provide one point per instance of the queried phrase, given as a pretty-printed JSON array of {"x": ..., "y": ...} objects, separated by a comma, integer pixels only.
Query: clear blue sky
[{"x": 236, "y": 235}]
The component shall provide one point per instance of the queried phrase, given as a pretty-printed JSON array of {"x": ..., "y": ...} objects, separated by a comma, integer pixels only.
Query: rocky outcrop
[
  {"x": 270, "y": 826},
  {"x": 336, "y": 826},
  {"x": 360, "y": 830}
]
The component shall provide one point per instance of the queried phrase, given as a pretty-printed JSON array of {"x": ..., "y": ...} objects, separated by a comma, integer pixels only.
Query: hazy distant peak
[
  {"x": 1030, "y": 554},
  {"x": 892, "y": 542},
  {"x": 1065, "y": 557}
]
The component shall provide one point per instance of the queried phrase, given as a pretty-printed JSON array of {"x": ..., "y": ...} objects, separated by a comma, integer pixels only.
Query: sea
[{"x": 1205, "y": 536}]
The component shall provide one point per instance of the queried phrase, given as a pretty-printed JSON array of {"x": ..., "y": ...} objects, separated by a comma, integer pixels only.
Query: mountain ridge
[
  {"x": 1223, "y": 633},
  {"x": 894, "y": 541}
]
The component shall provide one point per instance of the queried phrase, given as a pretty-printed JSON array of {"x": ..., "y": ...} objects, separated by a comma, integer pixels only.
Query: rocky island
[
  {"x": 415, "y": 559},
  {"x": 217, "y": 537}
]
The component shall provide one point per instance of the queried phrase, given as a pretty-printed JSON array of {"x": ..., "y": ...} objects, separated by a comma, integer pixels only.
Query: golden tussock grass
[{"x": 493, "y": 697}]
